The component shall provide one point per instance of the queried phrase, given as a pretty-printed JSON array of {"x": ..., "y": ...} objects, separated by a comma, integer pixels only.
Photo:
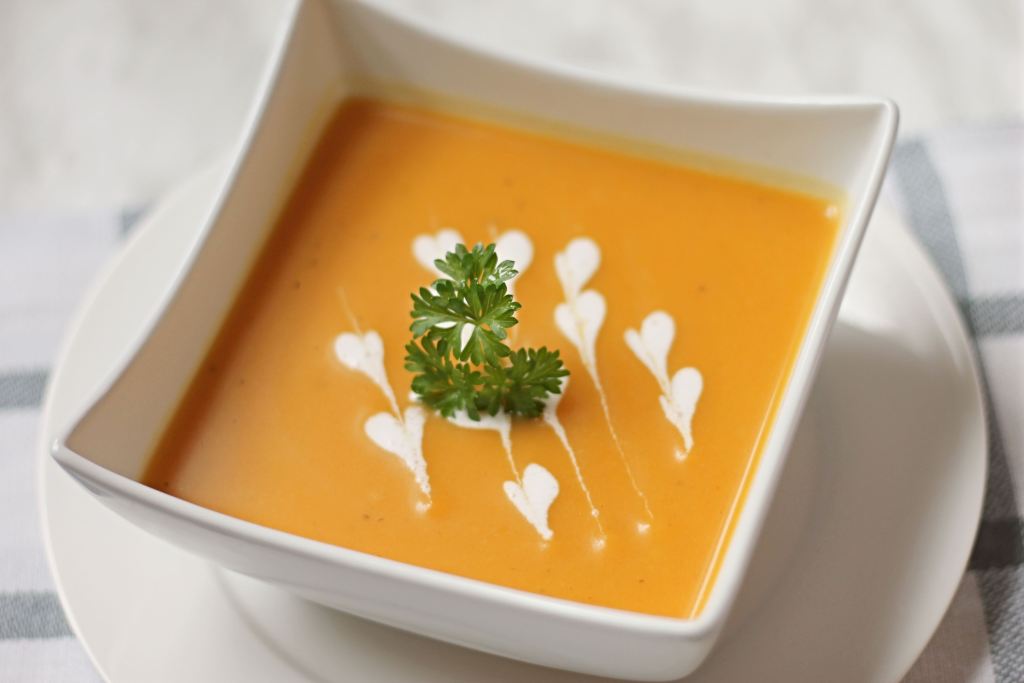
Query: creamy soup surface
[{"x": 661, "y": 426}]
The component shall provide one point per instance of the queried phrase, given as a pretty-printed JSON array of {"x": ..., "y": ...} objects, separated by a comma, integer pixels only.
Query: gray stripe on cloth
[
  {"x": 999, "y": 544},
  {"x": 32, "y": 615},
  {"x": 1003, "y": 594},
  {"x": 928, "y": 211},
  {"x": 22, "y": 389},
  {"x": 1000, "y": 493},
  {"x": 996, "y": 315},
  {"x": 930, "y": 218}
]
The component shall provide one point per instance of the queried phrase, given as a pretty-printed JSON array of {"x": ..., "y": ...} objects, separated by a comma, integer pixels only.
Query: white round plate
[{"x": 862, "y": 552}]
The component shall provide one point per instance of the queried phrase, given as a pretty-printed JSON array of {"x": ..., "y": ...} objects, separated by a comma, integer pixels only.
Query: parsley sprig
[{"x": 459, "y": 355}]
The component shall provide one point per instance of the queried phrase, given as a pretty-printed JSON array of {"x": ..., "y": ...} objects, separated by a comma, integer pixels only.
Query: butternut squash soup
[{"x": 676, "y": 298}]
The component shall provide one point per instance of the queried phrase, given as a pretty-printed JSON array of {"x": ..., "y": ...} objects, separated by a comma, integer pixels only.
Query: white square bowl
[{"x": 327, "y": 52}]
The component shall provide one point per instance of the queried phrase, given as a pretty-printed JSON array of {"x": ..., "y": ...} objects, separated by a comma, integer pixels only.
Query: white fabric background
[{"x": 110, "y": 102}]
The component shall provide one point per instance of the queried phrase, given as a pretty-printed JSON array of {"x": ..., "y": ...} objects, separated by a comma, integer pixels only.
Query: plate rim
[{"x": 932, "y": 289}]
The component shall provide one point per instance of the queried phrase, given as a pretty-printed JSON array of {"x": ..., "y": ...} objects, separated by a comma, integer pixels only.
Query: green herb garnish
[{"x": 458, "y": 352}]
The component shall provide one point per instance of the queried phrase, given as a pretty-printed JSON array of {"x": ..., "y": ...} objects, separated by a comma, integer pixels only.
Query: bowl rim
[
  {"x": 766, "y": 467},
  {"x": 567, "y": 71}
]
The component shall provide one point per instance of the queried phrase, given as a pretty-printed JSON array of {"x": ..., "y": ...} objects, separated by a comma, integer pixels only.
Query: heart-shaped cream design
[
  {"x": 358, "y": 352},
  {"x": 514, "y": 245},
  {"x": 364, "y": 353},
  {"x": 580, "y": 318},
  {"x": 397, "y": 433},
  {"x": 580, "y": 321},
  {"x": 403, "y": 438},
  {"x": 534, "y": 498},
  {"x": 687, "y": 386},
  {"x": 679, "y": 396},
  {"x": 576, "y": 264},
  {"x": 652, "y": 344},
  {"x": 428, "y": 248}
]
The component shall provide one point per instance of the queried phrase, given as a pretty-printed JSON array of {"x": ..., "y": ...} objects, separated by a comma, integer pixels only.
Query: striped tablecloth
[{"x": 962, "y": 191}]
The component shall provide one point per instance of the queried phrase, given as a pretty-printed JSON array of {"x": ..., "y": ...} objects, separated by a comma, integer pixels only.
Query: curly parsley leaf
[{"x": 459, "y": 356}]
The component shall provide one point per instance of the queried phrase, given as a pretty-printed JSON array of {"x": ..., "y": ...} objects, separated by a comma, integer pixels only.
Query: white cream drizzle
[
  {"x": 365, "y": 353},
  {"x": 580, "y": 319},
  {"x": 533, "y": 496},
  {"x": 514, "y": 245},
  {"x": 402, "y": 437},
  {"x": 533, "y": 491},
  {"x": 500, "y": 423},
  {"x": 428, "y": 248},
  {"x": 680, "y": 394},
  {"x": 398, "y": 433},
  {"x": 551, "y": 418}
]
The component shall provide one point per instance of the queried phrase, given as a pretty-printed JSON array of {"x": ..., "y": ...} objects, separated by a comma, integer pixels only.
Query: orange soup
[{"x": 677, "y": 299}]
